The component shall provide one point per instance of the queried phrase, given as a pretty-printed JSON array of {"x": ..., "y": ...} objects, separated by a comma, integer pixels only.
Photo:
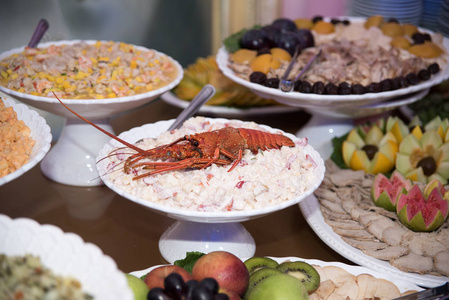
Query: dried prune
[
  {"x": 305, "y": 87},
  {"x": 344, "y": 88},
  {"x": 296, "y": 85},
  {"x": 434, "y": 68},
  {"x": 318, "y": 88},
  {"x": 358, "y": 89},
  {"x": 272, "y": 82},
  {"x": 317, "y": 19},
  {"x": 424, "y": 75},
  {"x": 335, "y": 21},
  {"x": 386, "y": 85},
  {"x": 396, "y": 83},
  {"x": 258, "y": 77},
  {"x": 346, "y": 22},
  {"x": 420, "y": 38},
  {"x": 264, "y": 50},
  {"x": 305, "y": 38},
  {"x": 404, "y": 82},
  {"x": 331, "y": 89},
  {"x": 374, "y": 87},
  {"x": 412, "y": 78}
]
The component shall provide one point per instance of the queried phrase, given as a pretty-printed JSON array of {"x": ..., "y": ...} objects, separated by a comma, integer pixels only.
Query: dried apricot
[
  {"x": 281, "y": 54},
  {"x": 400, "y": 42},
  {"x": 426, "y": 50},
  {"x": 304, "y": 23},
  {"x": 373, "y": 21},
  {"x": 323, "y": 27},
  {"x": 409, "y": 29},
  {"x": 392, "y": 29},
  {"x": 244, "y": 56},
  {"x": 263, "y": 63}
]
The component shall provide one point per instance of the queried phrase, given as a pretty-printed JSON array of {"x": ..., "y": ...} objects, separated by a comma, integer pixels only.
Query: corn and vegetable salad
[{"x": 87, "y": 71}]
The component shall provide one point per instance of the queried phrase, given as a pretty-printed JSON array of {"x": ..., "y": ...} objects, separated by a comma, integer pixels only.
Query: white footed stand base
[
  {"x": 320, "y": 131},
  {"x": 72, "y": 159},
  {"x": 187, "y": 236}
]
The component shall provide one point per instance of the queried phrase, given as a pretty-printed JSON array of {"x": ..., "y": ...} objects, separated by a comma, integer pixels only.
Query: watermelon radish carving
[
  {"x": 423, "y": 211},
  {"x": 385, "y": 192}
]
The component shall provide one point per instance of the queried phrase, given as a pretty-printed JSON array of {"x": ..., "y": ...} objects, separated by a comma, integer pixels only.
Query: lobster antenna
[{"x": 101, "y": 129}]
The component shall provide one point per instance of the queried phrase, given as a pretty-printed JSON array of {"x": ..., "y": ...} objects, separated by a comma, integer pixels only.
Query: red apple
[
  {"x": 229, "y": 271},
  {"x": 155, "y": 278}
]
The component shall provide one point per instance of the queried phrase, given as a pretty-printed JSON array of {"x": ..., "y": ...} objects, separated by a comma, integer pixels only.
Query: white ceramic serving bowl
[
  {"x": 202, "y": 231},
  {"x": 89, "y": 108},
  {"x": 329, "y": 102},
  {"x": 66, "y": 254},
  {"x": 40, "y": 132},
  {"x": 71, "y": 161}
]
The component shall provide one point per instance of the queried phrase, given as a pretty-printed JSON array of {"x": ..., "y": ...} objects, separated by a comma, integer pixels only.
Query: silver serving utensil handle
[
  {"x": 288, "y": 85},
  {"x": 38, "y": 33},
  {"x": 207, "y": 92}
]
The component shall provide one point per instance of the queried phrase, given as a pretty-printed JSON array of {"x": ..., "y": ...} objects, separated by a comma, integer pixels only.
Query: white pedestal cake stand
[{"x": 197, "y": 230}]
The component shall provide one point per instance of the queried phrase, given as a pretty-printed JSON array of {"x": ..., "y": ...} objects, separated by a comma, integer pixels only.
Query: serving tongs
[
  {"x": 287, "y": 85},
  {"x": 437, "y": 293},
  {"x": 38, "y": 33}
]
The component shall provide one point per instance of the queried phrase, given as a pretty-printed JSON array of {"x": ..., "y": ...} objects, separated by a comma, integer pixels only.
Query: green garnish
[
  {"x": 188, "y": 262},
  {"x": 337, "y": 155}
]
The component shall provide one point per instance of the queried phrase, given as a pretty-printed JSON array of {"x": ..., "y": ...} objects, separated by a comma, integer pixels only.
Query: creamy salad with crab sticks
[{"x": 259, "y": 180}]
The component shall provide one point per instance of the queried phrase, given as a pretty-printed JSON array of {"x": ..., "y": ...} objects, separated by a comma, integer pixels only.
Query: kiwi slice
[
  {"x": 304, "y": 272},
  {"x": 257, "y": 276},
  {"x": 255, "y": 263}
]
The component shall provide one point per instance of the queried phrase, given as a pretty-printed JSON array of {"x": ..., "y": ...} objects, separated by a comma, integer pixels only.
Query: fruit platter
[{"x": 216, "y": 273}]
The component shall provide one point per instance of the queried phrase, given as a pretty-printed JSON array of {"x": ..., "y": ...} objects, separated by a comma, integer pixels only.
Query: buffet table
[{"x": 129, "y": 233}]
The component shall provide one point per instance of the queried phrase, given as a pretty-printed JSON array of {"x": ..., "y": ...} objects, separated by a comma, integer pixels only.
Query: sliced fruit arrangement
[
  {"x": 385, "y": 191},
  {"x": 420, "y": 153},
  {"x": 421, "y": 210},
  {"x": 228, "y": 93},
  {"x": 221, "y": 275},
  {"x": 373, "y": 151},
  {"x": 426, "y": 210}
]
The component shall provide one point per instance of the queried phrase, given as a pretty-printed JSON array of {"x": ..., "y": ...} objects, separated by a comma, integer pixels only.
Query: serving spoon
[{"x": 38, "y": 33}]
